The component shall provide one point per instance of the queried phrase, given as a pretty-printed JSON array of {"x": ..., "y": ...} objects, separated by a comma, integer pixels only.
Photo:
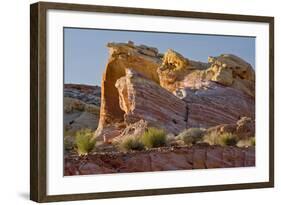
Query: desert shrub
[
  {"x": 247, "y": 142},
  {"x": 218, "y": 138},
  {"x": 131, "y": 143},
  {"x": 227, "y": 139},
  {"x": 84, "y": 141},
  {"x": 191, "y": 136},
  {"x": 154, "y": 137}
]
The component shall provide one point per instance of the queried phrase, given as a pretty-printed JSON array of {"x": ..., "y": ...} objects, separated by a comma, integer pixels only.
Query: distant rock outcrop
[
  {"x": 86, "y": 93},
  {"x": 81, "y": 107},
  {"x": 171, "y": 91}
]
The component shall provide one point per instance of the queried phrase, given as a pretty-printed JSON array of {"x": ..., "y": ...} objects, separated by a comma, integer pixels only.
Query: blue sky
[{"x": 85, "y": 51}]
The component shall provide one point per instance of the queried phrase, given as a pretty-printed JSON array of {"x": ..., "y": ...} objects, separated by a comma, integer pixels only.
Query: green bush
[
  {"x": 84, "y": 141},
  {"x": 217, "y": 138},
  {"x": 191, "y": 136},
  {"x": 227, "y": 139},
  {"x": 154, "y": 137},
  {"x": 131, "y": 143}
]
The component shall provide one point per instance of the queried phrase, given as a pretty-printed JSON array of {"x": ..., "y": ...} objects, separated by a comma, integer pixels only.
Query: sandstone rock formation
[
  {"x": 164, "y": 159},
  {"x": 143, "y": 59},
  {"x": 171, "y": 91},
  {"x": 215, "y": 104},
  {"x": 229, "y": 70},
  {"x": 141, "y": 98}
]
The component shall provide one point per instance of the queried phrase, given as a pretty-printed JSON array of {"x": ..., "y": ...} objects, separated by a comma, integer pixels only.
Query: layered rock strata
[
  {"x": 171, "y": 91},
  {"x": 162, "y": 159},
  {"x": 144, "y": 99}
]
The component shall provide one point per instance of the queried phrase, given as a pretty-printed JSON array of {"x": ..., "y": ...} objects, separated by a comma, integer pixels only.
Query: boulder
[
  {"x": 134, "y": 129},
  {"x": 230, "y": 70}
]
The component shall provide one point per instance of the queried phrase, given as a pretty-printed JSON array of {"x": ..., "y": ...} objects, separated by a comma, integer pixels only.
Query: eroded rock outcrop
[
  {"x": 215, "y": 104},
  {"x": 143, "y": 59},
  {"x": 171, "y": 91},
  {"x": 141, "y": 98},
  {"x": 228, "y": 70}
]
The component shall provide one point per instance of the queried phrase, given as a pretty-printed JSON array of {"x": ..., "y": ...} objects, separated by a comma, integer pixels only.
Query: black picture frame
[{"x": 38, "y": 103}]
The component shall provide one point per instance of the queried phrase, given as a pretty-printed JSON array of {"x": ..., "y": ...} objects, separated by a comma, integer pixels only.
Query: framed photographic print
[{"x": 134, "y": 102}]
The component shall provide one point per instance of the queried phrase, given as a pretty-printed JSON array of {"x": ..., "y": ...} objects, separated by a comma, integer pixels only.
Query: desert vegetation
[
  {"x": 154, "y": 137},
  {"x": 84, "y": 141},
  {"x": 151, "y": 138},
  {"x": 191, "y": 136},
  {"x": 218, "y": 138},
  {"x": 129, "y": 143}
]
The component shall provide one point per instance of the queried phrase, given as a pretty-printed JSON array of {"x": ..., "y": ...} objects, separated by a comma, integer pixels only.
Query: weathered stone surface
[
  {"x": 214, "y": 157},
  {"x": 215, "y": 104},
  {"x": 86, "y": 93},
  {"x": 143, "y": 59},
  {"x": 176, "y": 72},
  {"x": 164, "y": 159},
  {"x": 134, "y": 129},
  {"x": 169, "y": 161},
  {"x": 230, "y": 70},
  {"x": 243, "y": 129},
  {"x": 141, "y": 98},
  {"x": 79, "y": 115}
]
